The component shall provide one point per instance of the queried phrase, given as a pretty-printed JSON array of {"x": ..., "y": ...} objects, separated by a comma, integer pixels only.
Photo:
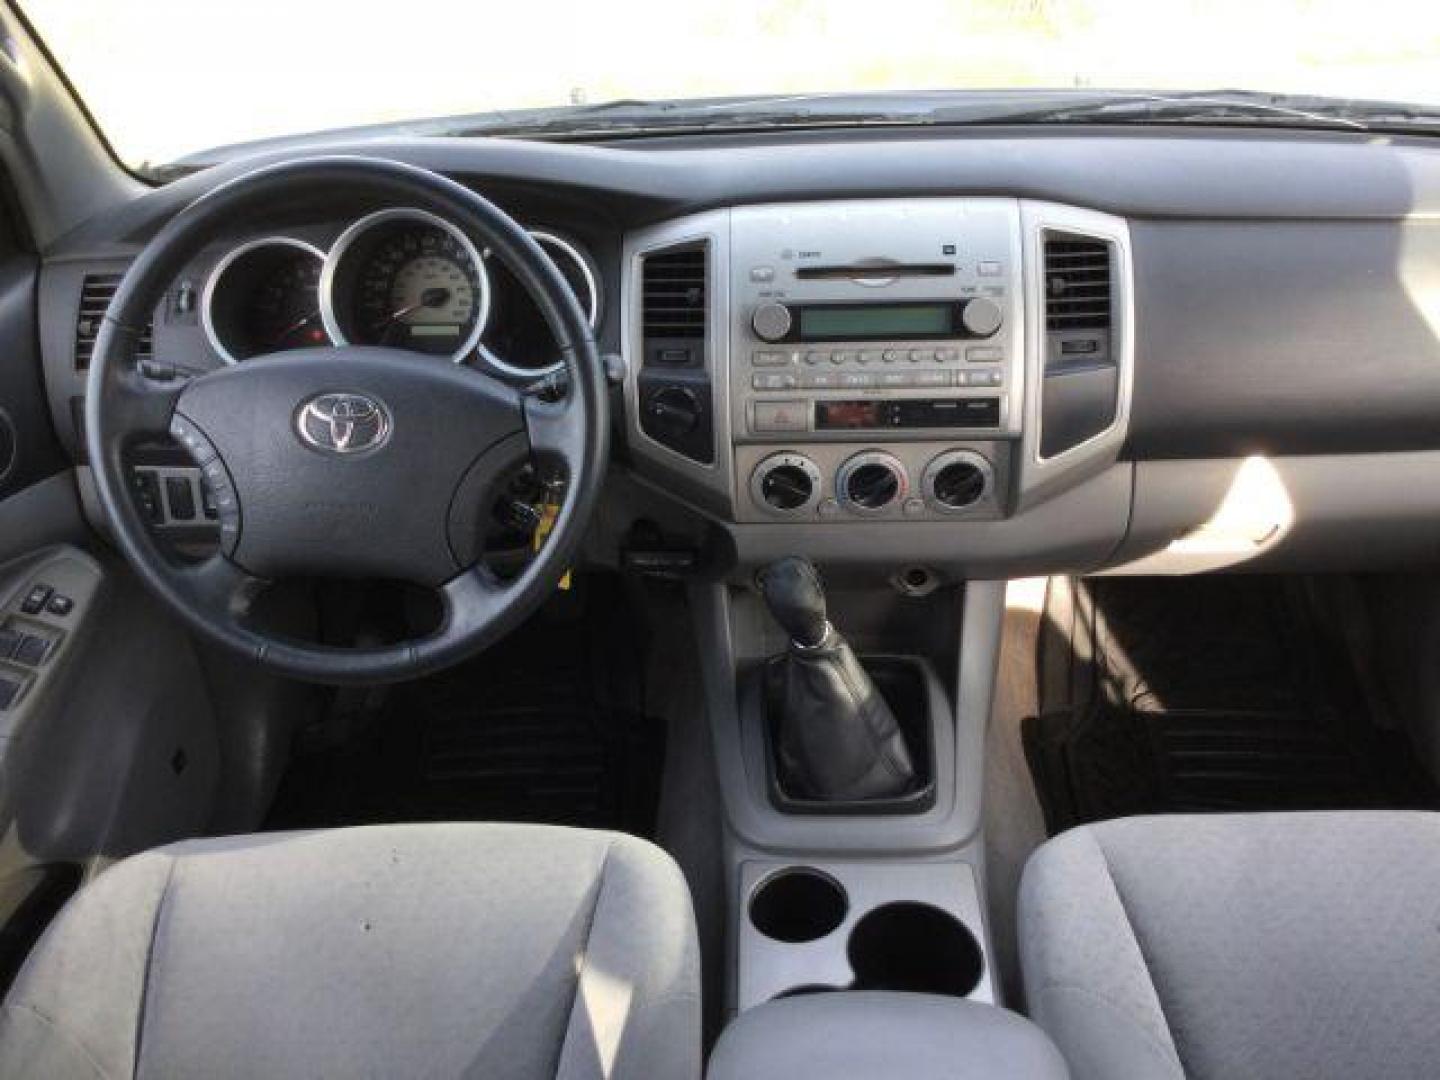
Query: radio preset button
[
  {"x": 816, "y": 357},
  {"x": 782, "y": 415},
  {"x": 819, "y": 380},
  {"x": 774, "y": 380},
  {"x": 894, "y": 356},
  {"x": 931, "y": 378},
  {"x": 944, "y": 356},
  {"x": 922, "y": 356},
  {"x": 896, "y": 378},
  {"x": 985, "y": 355},
  {"x": 770, "y": 359},
  {"x": 856, "y": 380}
]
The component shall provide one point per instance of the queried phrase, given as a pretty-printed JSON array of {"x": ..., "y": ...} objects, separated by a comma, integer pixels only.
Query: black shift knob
[{"x": 792, "y": 590}]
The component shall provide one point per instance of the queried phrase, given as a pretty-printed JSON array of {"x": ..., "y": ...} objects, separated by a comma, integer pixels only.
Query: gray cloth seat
[
  {"x": 858, "y": 1035},
  {"x": 492, "y": 951},
  {"x": 1256, "y": 945}
]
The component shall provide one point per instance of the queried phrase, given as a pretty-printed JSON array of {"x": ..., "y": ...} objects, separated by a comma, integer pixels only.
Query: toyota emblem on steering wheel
[{"x": 341, "y": 423}]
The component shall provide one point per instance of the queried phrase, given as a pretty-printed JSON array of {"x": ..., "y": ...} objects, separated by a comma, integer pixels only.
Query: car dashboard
[{"x": 948, "y": 354}]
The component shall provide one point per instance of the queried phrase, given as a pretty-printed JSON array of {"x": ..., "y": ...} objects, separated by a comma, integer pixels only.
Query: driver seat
[{"x": 406, "y": 950}]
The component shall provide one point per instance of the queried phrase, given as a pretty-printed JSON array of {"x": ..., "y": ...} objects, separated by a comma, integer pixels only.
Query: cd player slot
[{"x": 874, "y": 271}]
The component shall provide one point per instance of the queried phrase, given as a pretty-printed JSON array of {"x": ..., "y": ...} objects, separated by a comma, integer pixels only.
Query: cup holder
[
  {"x": 798, "y": 905},
  {"x": 915, "y": 947}
]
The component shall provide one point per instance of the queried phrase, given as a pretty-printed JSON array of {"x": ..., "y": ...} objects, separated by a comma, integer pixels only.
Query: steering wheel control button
[
  {"x": 190, "y": 437},
  {"x": 180, "y": 497},
  {"x": 343, "y": 423},
  {"x": 221, "y": 494}
]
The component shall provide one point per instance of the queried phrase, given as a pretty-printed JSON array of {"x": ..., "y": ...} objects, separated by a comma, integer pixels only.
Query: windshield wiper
[
  {"x": 1235, "y": 107},
  {"x": 673, "y": 116}
]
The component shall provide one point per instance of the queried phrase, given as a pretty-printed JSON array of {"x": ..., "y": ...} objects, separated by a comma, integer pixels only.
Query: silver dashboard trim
[
  {"x": 347, "y": 239},
  {"x": 207, "y": 295},
  {"x": 592, "y": 308},
  {"x": 1041, "y": 476},
  {"x": 710, "y": 229}
]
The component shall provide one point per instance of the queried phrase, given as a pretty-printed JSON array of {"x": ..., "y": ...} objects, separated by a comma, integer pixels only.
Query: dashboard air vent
[
  {"x": 1077, "y": 283},
  {"x": 674, "y": 294},
  {"x": 96, "y": 292}
]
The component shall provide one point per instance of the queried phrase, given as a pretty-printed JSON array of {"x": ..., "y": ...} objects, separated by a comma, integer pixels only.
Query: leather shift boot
[{"x": 838, "y": 740}]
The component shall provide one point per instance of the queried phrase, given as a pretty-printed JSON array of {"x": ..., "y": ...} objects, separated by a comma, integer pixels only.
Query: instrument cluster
[{"x": 399, "y": 277}]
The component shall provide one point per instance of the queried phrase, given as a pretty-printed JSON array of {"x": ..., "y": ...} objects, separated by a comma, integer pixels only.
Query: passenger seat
[{"x": 1250, "y": 945}]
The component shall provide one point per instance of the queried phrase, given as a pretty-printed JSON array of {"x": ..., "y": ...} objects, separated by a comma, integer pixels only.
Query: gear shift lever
[{"x": 838, "y": 740}]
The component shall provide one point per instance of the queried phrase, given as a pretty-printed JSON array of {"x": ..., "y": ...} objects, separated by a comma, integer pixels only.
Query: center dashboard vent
[
  {"x": 676, "y": 399},
  {"x": 96, "y": 292},
  {"x": 1077, "y": 283},
  {"x": 674, "y": 294}
]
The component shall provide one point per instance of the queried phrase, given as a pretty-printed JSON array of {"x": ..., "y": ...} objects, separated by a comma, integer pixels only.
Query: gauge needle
[
  {"x": 296, "y": 325},
  {"x": 430, "y": 298}
]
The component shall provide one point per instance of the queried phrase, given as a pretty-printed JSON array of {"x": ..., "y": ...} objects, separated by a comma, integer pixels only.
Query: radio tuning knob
[
  {"x": 771, "y": 322},
  {"x": 981, "y": 317}
]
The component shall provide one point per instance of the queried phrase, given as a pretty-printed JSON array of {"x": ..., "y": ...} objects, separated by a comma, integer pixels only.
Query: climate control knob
[
  {"x": 786, "y": 483},
  {"x": 957, "y": 480},
  {"x": 982, "y": 317},
  {"x": 871, "y": 482},
  {"x": 771, "y": 322}
]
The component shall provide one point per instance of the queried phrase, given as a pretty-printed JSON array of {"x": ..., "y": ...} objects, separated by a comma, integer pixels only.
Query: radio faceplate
[{"x": 891, "y": 320}]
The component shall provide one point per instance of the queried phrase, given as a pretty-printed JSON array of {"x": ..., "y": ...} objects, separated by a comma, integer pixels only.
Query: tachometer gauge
[
  {"x": 263, "y": 297},
  {"x": 407, "y": 279}
]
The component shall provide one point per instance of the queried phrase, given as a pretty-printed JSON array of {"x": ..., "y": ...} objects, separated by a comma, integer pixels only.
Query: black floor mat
[
  {"x": 548, "y": 726},
  {"x": 1214, "y": 695}
]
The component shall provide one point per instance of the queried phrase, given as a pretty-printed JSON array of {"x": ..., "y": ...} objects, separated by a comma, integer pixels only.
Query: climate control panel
[{"x": 918, "y": 482}]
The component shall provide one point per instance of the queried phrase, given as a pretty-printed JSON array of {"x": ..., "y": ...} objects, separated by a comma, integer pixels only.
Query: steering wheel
[{"x": 354, "y": 461}]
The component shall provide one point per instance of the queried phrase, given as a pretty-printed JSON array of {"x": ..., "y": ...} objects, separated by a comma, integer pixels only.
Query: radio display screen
[
  {"x": 850, "y": 322},
  {"x": 831, "y": 415}
]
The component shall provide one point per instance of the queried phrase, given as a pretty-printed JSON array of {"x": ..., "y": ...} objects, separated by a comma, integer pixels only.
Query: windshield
[{"x": 166, "y": 79}]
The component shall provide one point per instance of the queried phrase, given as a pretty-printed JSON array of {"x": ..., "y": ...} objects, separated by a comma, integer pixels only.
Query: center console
[
  {"x": 865, "y": 345},
  {"x": 947, "y": 362}
]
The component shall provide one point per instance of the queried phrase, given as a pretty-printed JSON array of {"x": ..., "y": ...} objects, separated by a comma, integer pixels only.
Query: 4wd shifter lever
[{"x": 837, "y": 738}]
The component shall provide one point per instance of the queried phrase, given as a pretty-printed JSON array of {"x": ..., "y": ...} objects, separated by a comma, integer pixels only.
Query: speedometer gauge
[{"x": 406, "y": 279}]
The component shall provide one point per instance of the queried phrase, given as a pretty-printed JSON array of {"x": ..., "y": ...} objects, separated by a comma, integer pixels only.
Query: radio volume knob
[
  {"x": 982, "y": 317},
  {"x": 771, "y": 322}
]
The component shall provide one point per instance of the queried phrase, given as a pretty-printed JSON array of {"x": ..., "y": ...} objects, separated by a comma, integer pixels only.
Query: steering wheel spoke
[
  {"x": 556, "y": 430},
  {"x": 222, "y": 585},
  {"x": 142, "y": 408}
]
